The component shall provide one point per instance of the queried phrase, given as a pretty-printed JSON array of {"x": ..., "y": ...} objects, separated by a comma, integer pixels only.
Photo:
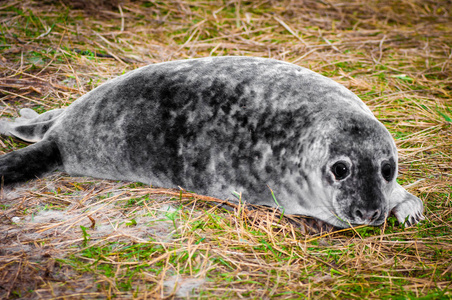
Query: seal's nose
[{"x": 366, "y": 215}]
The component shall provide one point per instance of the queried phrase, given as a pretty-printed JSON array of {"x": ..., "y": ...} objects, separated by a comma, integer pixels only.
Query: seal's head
[
  {"x": 349, "y": 171},
  {"x": 360, "y": 170}
]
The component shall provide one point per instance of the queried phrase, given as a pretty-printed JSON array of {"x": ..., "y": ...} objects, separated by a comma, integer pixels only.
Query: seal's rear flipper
[
  {"x": 30, "y": 127},
  {"x": 29, "y": 162}
]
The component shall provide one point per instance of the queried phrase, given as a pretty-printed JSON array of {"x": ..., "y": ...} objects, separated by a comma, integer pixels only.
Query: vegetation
[{"x": 71, "y": 237}]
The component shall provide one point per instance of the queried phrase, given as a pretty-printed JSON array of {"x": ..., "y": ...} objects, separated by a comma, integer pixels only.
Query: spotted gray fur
[{"x": 223, "y": 125}]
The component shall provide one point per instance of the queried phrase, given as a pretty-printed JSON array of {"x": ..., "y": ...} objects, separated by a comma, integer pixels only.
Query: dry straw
[{"x": 81, "y": 238}]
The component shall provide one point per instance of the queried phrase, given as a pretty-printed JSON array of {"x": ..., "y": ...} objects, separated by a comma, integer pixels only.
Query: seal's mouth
[
  {"x": 369, "y": 222},
  {"x": 343, "y": 221},
  {"x": 372, "y": 223}
]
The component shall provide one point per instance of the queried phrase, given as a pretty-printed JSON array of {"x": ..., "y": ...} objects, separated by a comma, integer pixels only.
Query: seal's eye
[
  {"x": 386, "y": 171},
  {"x": 340, "y": 170}
]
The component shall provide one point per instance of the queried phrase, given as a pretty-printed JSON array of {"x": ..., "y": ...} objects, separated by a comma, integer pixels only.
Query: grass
[{"x": 89, "y": 238}]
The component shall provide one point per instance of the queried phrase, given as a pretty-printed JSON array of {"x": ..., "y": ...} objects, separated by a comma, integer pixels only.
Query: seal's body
[{"x": 222, "y": 125}]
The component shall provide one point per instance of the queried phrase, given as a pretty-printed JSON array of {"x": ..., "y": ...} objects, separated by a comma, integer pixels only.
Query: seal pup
[{"x": 277, "y": 134}]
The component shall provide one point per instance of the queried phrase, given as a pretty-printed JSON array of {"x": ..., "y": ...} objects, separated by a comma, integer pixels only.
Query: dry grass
[{"x": 67, "y": 237}]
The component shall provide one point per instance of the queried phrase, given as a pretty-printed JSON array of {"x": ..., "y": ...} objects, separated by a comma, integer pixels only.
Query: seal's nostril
[
  {"x": 358, "y": 213},
  {"x": 375, "y": 215}
]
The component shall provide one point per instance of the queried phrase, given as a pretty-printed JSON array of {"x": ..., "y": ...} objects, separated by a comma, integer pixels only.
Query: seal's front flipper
[
  {"x": 406, "y": 206},
  {"x": 29, "y": 162}
]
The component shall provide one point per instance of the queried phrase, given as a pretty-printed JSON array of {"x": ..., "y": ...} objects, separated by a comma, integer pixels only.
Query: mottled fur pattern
[{"x": 229, "y": 124}]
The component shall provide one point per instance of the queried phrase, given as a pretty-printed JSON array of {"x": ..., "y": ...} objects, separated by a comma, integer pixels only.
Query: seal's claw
[
  {"x": 409, "y": 211},
  {"x": 406, "y": 207}
]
